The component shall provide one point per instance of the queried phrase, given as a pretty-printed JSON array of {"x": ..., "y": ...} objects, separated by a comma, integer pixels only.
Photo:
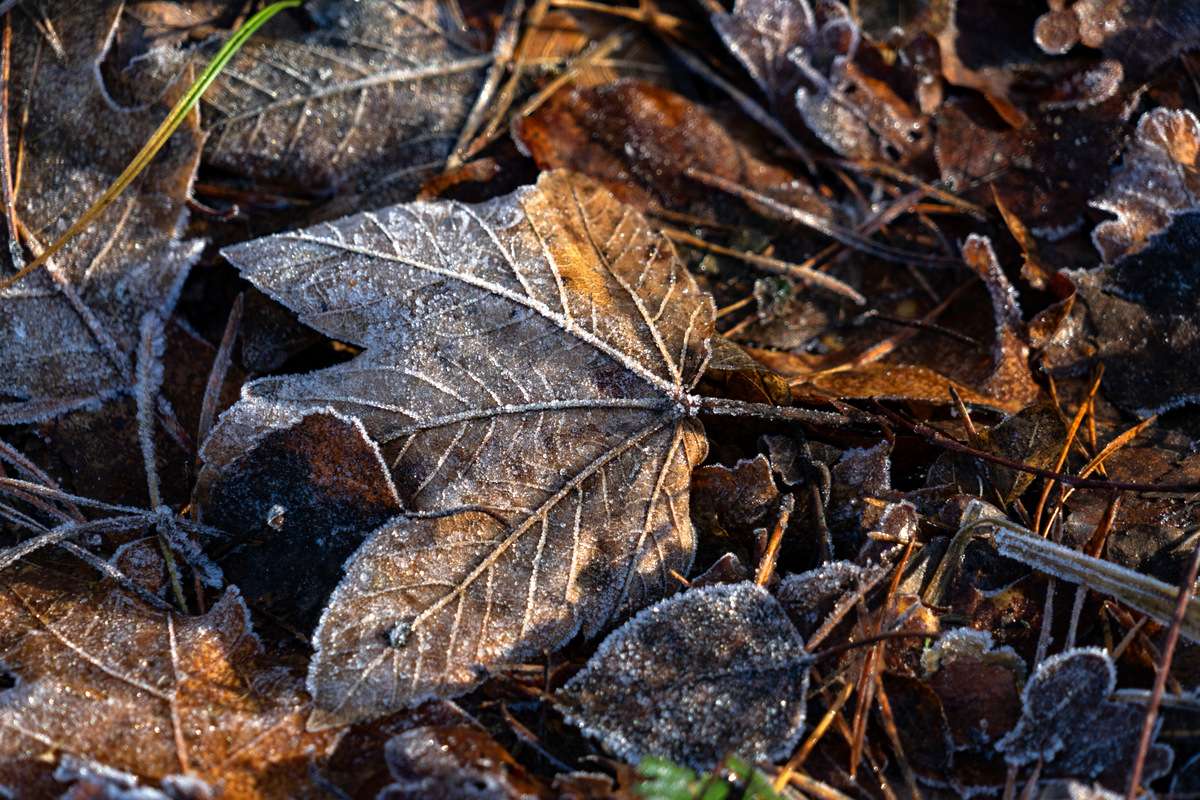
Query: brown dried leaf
[
  {"x": 808, "y": 59},
  {"x": 455, "y": 761},
  {"x": 732, "y": 372},
  {"x": 371, "y": 103},
  {"x": 529, "y": 357},
  {"x": 1143, "y": 34},
  {"x": 107, "y": 680},
  {"x": 67, "y": 332},
  {"x": 640, "y": 141},
  {"x": 736, "y": 497},
  {"x": 710, "y": 673},
  {"x": 1157, "y": 180},
  {"x": 977, "y": 684},
  {"x": 298, "y": 504},
  {"x": 1138, "y": 319},
  {"x": 810, "y": 597},
  {"x": 1011, "y": 380},
  {"x": 886, "y": 381},
  {"x": 1044, "y": 172}
]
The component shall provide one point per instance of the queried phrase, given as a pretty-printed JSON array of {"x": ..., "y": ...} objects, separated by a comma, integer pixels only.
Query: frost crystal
[
  {"x": 712, "y": 672},
  {"x": 523, "y": 368}
]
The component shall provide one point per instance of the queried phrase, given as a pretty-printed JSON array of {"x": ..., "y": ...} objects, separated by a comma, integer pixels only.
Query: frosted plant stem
[
  {"x": 721, "y": 406},
  {"x": 149, "y": 380},
  {"x": 1143, "y": 593}
]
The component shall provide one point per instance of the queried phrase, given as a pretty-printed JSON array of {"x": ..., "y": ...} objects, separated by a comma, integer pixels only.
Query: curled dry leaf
[
  {"x": 1010, "y": 378},
  {"x": 455, "y": 762},
  {"x": 526, "y": 374},
  {"x": 641, "y": 140},
  {"x": 1138, "y": 318},
  {"x": 804, "y": 58},
  {"x": 101, "y": 677},
  {"x": 1142, "y": 34},
  {"x": 1157, "y": 179},
  {"x": 1069, "y": 723},
  {"x": 370, "y": 103},
  {"x": 712, "y": 672},
  {"x": 67, "y": 332}
]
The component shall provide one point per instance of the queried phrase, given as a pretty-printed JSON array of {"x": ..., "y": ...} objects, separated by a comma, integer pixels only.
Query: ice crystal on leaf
[
  {"x": 712, "y": 672},
  {"x": 526, "y": 370}
]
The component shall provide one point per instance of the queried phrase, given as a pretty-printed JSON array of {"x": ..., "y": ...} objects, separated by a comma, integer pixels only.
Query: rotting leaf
[
  {"x": 712, "y": 672},
  {"x": 1069, "y": 723},
  {"x": 297, "y": 505},
  {"x": 67, "y": 333},
  {"x": 806, "y": 59},
  {"x": 640, "y": 141},
  {"x": 1138, "y": 319},
  {"x": 455, "y": 761},
  {"x": 526, "y": 372},
  {"x": 370, "y": 103},
  {"x": 103, "y": 678},
  {"x": 1157, "y": 179}
]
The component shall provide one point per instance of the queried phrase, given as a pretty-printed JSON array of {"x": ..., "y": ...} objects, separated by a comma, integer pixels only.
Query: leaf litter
[{"x": 692, "y": 295}]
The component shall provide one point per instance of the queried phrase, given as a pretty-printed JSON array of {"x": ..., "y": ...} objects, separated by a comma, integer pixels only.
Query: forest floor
[{"x": 564, "y": 398}]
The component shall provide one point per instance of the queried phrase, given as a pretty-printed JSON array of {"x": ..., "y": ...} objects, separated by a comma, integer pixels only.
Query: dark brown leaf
[
  {"x": 370, "y": 103},
  {"x": 640, "y": 141},
  {"x": 1157, "y": 179},
  {"x": 1138, "y": 319},
  {"x": 1069, "y": 723},
  {"x": 460, "y": 762},
  {"x": 296, "y": 506},
  {"x": 68, "y": 331}
]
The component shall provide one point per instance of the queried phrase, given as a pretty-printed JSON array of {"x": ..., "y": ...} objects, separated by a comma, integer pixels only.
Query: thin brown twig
[
  {"x": 1186, "y": 589},
  {"x": 774, "y": 266},
  {"x": 1066, "y": 450},
  {"x": 950, "y": 443},
  {"x": 848, "y": 237},
  {"x": 866, "y": 681},
  {"x": 1094, "y": 547},
  {"x": 644, "y": 14},
  {"x": 6, "y": 177},
  {"x": 766, "y": 567},
  {"x": 818, "y": 732},
  {"x": 502, "y": 56},
  {"x": 893, "y": 734},
  {"x": 600, "y": 50}
]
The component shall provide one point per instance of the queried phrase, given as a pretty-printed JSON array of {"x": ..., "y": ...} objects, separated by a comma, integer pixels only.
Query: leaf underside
[{"x": 524, "y": 367}]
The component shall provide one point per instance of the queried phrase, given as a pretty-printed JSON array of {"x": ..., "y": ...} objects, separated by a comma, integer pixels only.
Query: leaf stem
[
  {"x": 722, "y": 406},
  {"x": 158, "y": 138}
]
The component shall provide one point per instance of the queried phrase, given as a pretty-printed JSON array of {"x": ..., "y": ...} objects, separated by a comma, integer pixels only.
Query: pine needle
[{"x": 160, "y": 136}]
